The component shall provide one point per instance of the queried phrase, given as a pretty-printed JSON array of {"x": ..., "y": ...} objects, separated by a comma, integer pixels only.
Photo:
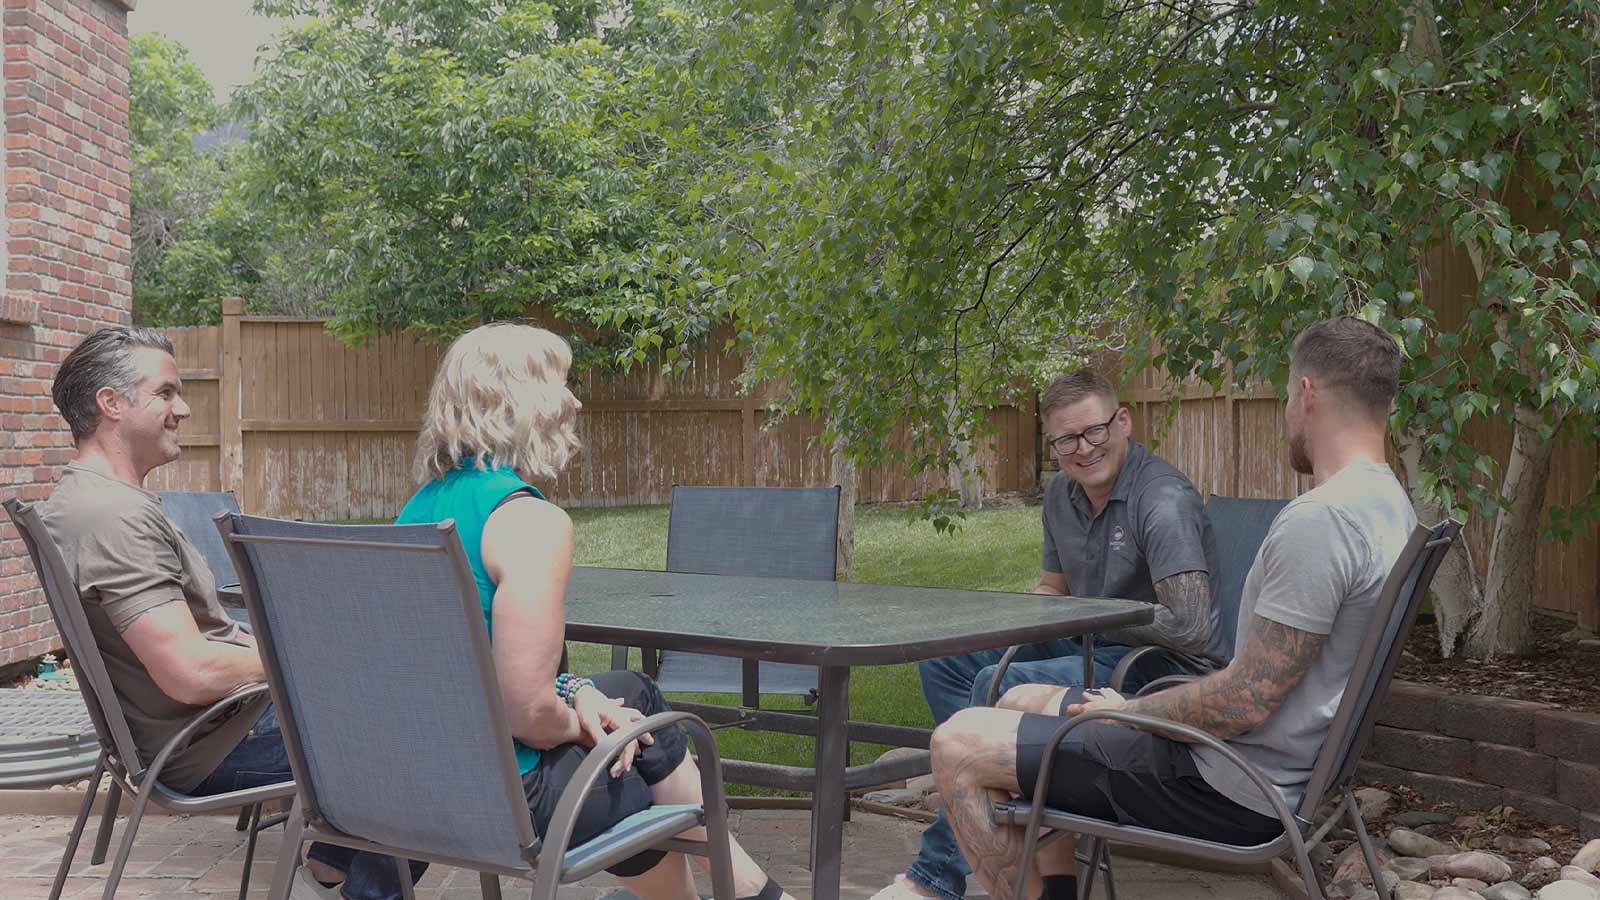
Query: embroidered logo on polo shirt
[{"x": 1118, "y": 539}]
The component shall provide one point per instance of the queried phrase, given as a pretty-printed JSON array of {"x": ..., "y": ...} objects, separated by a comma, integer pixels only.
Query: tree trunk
[
  {"x": 963, "y": 472},
  {"x": 1503, "y": 628},
  {"x": 1457, "y": 590},
  {"x": 842, "y": 471}
]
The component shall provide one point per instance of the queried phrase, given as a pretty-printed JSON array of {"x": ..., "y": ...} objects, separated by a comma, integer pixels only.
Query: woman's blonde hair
[{"x": 501, "y": 395}]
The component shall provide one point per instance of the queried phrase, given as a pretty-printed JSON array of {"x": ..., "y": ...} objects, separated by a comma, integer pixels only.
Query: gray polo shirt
[{"x": 1152, "y": 527}]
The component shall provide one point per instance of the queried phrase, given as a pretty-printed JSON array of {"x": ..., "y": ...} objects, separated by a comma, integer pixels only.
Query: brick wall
[
  {"x": 66, "y": 253},
  {"x": 1483, "y": 752}
]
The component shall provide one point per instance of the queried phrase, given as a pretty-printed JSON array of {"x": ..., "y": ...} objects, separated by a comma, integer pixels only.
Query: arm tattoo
[
  {"x": 1183, "y": 616},
  {"x": 1272, "y": 663},
  {"x": 996, "y": 850}
]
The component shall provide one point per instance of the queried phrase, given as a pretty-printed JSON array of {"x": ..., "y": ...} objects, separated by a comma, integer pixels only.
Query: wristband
[{"x": 568, "y": 686}]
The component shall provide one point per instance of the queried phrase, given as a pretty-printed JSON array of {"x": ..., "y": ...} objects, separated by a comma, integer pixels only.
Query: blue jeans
[
  {"x": 953, "y": 683},
  {"x": 261, "y": 759}
]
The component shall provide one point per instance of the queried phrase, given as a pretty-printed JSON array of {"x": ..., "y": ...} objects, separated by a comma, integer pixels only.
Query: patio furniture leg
[
  {"x": 619, "y": 661},
  {"x": 1353, "y": 810},
  {"x": 827, "y": 815},
  {"x": 1086, "y": 882},
  {"x": 1088, "y": 660},
  {"x": 243, "y": 821},
  {"x": 489, "y": 882},
  {"x": 141, "y": 802},
  {"x": 407, "y": 889},
  {"x": 1111, "y": 879},
  {"x": 108, "y": 819},
  {"x": 253, "y": 822},
  {"x": 77, "y": 828},
  {"x": 288, "y": 853}
]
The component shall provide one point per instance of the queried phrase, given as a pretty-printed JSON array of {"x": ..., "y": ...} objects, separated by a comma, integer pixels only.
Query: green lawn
[{"x": 994, "y": 550}]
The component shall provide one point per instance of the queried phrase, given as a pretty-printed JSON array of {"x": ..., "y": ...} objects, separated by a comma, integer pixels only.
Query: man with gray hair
[
  {"x": 1308, "y": 603},
  {"x": 148, "y": 595},
  {"x": 1119, "y": 521}
]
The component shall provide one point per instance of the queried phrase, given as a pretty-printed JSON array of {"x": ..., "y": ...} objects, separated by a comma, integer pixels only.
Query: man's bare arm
[
  {"x": 1271, "y": 664},
  {"x": 183, "y": 663},
  {"x": 1050, "y": 582},
  {"x": 1182, "y": 619}
]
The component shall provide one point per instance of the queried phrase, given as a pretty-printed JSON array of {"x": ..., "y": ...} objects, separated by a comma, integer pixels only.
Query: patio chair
[
  {"x": 379, "y": 662},
  {"x": 762, "y": 531},
  {"x": 1348, "y": 735},
  {"x": 192, "y": 512},
  {"x": 118, "y": 756},
  {"x": 1240, "y": 525}
]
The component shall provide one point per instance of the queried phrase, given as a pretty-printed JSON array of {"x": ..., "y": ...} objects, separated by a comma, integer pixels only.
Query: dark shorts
[
  {"x": 612, "y": 799},
  {"x": 1117, "y": 774}
]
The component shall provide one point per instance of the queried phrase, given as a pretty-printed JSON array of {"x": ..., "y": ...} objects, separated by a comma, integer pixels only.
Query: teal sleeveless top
[{"x": 468, "y": 495}]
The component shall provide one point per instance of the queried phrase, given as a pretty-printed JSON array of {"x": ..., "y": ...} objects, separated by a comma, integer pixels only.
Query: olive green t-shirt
[{"x": 126, "y": 558}]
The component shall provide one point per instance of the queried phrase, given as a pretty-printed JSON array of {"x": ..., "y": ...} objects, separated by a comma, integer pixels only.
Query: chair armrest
[
  {"x": 1193, "y": 664},
  {"x": 182, "y": 737},
  {"x": 1000, "y": 674},
  {"x": 1291, "y": 824},
  {"x": 1164, "y": 682},
  {"x": 554, "y": 843}
]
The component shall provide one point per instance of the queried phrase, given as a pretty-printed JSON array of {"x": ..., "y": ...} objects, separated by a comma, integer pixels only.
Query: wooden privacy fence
[
  {"x": 317, "y": 430},
  {"x": 297, "y": 424}
]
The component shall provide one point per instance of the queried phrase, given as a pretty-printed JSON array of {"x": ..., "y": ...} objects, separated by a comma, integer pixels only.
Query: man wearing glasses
[{"x": 1121, "y": 523}]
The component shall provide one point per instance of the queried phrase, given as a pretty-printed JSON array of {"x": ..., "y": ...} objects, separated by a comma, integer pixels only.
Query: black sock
[{"x": 1060, "y": 887}]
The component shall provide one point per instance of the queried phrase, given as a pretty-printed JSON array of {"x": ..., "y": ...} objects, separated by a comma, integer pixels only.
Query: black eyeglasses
[{"x": 1067, "y": 444}]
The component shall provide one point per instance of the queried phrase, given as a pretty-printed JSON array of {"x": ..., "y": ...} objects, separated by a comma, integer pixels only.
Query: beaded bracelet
[{"x": 568, "y": 686}]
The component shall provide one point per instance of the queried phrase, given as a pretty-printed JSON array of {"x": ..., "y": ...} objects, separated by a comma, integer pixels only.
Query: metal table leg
[
  {"x": 1088, "y": 660},
  {"x": 829, "y": 800}
]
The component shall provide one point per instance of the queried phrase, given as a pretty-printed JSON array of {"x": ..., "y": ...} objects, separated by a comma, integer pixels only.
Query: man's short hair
[
  {"x": 1356, "y": 359},
  {"x": 103, "y": 359},
  {"x": 1075, "y": 386}
]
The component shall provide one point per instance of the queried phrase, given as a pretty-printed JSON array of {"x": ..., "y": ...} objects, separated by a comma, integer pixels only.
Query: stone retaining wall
[{"x": 1484, "y": 752}]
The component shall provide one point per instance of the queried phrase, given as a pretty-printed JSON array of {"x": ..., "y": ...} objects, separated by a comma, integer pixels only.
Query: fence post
[{"x": 230, "y": 400}]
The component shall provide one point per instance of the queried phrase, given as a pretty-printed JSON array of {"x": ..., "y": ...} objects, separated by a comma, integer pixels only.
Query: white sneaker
[
  {"x": 305, "y": 887},
  {"x": 900, "y": 888}
]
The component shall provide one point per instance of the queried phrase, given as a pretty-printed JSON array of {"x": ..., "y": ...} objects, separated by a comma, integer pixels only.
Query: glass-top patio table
[{"x": 831, "y": 625}]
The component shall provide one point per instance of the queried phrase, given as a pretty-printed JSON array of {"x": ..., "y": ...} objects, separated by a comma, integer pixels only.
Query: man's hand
[
  {"x": 1103, "y": 698},
  {"x": 598, "y": 716}
]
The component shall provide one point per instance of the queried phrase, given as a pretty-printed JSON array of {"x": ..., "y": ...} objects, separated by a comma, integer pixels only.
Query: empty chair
[
  {"x": 762, "y": 531},
  {"x": 192, "y": 512},
  {"x": 118, "y": 755},
  {"x": 374, "y": 634},
  {"x": 1397, "y": 606}
]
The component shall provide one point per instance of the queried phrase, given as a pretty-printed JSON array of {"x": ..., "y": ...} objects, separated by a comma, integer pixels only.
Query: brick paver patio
[{"x": 200, "y": 857}]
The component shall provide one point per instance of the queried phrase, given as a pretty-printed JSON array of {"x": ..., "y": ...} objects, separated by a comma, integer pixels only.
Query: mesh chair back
[
  {"x": 193, "y": 512},
  {"x": 762, "y": 531},
  {"x": 1380, "y": 653},
  {"x": 379, "y": 663},
  {"x": 66, "y": 607},
  {"x": 1241, "y": 525}
]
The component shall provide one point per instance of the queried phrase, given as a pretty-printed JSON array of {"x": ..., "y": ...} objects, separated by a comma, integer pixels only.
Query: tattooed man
[
  {"x": 1307, "y": 605},
  {"x": 1119, "y": 522}
]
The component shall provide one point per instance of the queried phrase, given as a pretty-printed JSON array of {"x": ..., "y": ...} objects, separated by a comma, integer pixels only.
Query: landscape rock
[
  {"x": 1545, "y": 862},
  {"x": 1538, "y": 878},
  {"x": 1456, "y": 893},
  {"x": 1419, "y": 846},
  {"x": 1485, "y": 867},
  {"x": 1418, "y": 818},
  {"x": 923, "y": 785},
  {"x": 1342, "y": 889},
  {"x": 1567, "y": 890},
  {"x": 1352, "y": 866},
  {"x": 1506, "y": 890},
  {"x": 1588, "y": 859},
  {"x": 1411, "y": 890},
  {"x": 1374, "y": 803},
  {"x": 1573, "y": 873},
  {"x": 894, "y": 754},
  {"x": 899, "y": 797},
  {"x": 1471, "y": 884},
  {"x": 1511, "y": 844},
  {"x": 1409, "y": 869}
]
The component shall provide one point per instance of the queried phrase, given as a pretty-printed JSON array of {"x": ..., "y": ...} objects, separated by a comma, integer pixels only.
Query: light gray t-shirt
[{"x": 1320, "y": 570}]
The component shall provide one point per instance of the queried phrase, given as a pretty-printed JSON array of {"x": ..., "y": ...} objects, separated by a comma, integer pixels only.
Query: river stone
[
  {"x": 899, "y": 797},
  {"x": 1351, "y": 865},
  {"x": 1456, "y": 893},
  {"x": 1486, "y": 867},
  {"x": 1409, "y": 843},
  {"x": 1544, "y": 862},
  {"x": 1418, "y": 818},
  {"x": 1374, "y": 803},
  {"x": 1506, "y": 890},
  {"x": 1410, "y": 869},
  {"x": 1573, "y": 873},
  {"x": 1588, "y": 859},
  {"x": 1342, "y": 889},
  {"x": 1511, "y": 844},
  {"x": 923, "y": 785},
  {"x": 1471, "y": 884},
  {"x": 1411, "y": 890},
  {"x": 1567, "y": 890}
]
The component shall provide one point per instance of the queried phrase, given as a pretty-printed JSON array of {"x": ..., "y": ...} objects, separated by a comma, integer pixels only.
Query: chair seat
[
  {"x": 1016, "y": 813},
  {"x": 653, "y": 824},
  {"x": 694, "y": 673}
]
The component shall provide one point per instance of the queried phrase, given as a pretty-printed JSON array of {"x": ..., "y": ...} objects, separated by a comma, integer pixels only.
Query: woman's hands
[{"x": 598, "y": 716}]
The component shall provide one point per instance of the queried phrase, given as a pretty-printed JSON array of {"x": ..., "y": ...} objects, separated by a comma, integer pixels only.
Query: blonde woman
[{"x": 499, "y": 414}]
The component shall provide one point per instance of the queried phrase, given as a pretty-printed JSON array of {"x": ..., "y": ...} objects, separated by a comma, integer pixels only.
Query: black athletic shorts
[
  {"x": 612, "y": 799},
  {"x": 1118, "y": 774}
]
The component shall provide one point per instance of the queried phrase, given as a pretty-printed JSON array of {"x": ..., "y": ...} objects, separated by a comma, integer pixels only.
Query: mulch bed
[{"x": 1560, "y": 672}]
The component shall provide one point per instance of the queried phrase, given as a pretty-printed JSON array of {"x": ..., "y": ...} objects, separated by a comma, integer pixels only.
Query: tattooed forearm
[
  {"x": 1271, "y": 663},
  {"x": 1182, "y": 618},
  {"x": 994, "y": 850}
]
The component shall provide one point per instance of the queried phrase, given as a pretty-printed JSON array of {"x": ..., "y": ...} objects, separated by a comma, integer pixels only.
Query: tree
[{"x": 961, "y": 185}]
